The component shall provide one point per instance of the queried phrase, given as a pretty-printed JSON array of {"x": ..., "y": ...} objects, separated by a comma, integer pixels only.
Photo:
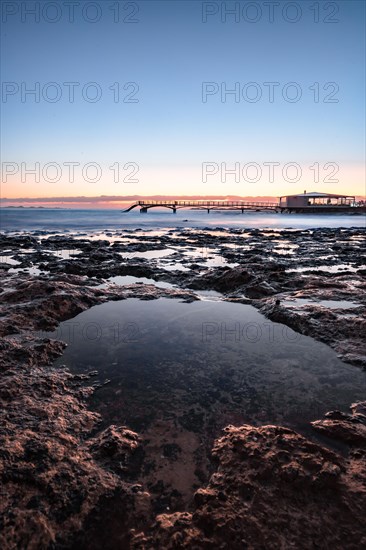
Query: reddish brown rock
[
  {"x": 272, "y": 489},
  {"x": 350, "y": 428},
  {"x": 54, "y": 476},
  {"x": 62, "y": 484}
]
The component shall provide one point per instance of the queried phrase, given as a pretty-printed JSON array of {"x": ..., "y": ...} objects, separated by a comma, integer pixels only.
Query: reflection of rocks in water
[
  {"x": 193, "y": 421},
  {"x": 343, "y": 332},
  {"x": 171, "y": 451}
]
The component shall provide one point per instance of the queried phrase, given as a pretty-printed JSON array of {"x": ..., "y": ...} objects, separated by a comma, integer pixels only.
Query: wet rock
[
  {"x": 267, "y": 481},
  {"x": 223, "y": 279},
  {"x": 116, "y": 448},
  {"x": 350, "y": 428},
  {"x": 260, "y": 289}
]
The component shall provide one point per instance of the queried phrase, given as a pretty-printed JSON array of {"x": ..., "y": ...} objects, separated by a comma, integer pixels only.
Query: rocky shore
[
  {"x": 67, "y": 481},
  {"x": 275, "y": 489}
]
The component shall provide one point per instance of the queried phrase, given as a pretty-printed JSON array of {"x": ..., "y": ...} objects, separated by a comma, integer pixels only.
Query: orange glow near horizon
[{"x": 173, "y": 182}]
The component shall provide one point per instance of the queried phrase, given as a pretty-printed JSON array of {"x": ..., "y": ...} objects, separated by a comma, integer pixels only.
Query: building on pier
[{"x": 316, "y": 200}]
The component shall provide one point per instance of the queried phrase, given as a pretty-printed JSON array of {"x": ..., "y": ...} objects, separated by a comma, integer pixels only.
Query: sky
[{"x": 133, "y": 98}]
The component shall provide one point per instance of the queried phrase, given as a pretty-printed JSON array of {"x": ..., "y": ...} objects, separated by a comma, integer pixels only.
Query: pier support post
[{"x": 143, "y": 210}]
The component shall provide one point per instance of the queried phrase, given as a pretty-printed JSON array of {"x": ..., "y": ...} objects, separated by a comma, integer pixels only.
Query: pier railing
[
  {"x": 209, "y": 205},
  {"x": 204, "y": 204}
]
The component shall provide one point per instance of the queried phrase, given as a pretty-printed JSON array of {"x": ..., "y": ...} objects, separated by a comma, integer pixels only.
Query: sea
[{"x": 65, "y": 220}]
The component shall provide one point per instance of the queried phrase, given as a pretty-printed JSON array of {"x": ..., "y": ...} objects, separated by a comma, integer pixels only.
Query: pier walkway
[
  {"x": 209, "y": 205},
  {"x": 204, "y": 205}
]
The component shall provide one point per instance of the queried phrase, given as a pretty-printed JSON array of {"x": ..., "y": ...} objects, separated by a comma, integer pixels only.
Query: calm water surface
[
  {"x": 220, "y": 362},
  {"x": 29, "y": 219},
  {"x": 178, "y": 373}
]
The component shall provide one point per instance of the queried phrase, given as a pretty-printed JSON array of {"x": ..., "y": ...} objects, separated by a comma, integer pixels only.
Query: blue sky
[{"x": 170, "y": 132}]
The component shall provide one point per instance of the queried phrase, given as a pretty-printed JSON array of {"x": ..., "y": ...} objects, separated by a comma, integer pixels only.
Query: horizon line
[
  {"x": 129, "y": 198},
  {"x": 126, "y": 198}
]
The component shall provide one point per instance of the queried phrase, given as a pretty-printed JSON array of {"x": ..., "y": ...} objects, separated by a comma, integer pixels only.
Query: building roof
[{"x": 315, "y": 194}]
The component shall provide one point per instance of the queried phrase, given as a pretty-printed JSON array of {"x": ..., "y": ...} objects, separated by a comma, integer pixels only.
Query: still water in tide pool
[{"x": 204, "y": 365}]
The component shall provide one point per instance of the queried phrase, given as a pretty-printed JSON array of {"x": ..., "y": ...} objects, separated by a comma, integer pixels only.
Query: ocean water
[{"x": 60, "y": 220}]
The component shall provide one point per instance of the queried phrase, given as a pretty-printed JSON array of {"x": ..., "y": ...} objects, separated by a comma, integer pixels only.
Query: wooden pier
[
  {"x": 309, "y": 203},
  {"x": 204, "y": 205}
]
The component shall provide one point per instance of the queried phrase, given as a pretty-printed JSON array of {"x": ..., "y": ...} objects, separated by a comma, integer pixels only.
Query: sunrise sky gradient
[{"x": 169, "y": 132}]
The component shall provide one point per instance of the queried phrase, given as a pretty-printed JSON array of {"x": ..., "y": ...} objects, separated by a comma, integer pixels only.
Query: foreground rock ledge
[{"x": 275, "y": 489}]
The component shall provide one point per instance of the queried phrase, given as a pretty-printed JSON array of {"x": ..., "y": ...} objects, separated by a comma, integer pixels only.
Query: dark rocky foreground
[
  {"x": 275, "y": 489},
  {"x": 68, "y": 483}
]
